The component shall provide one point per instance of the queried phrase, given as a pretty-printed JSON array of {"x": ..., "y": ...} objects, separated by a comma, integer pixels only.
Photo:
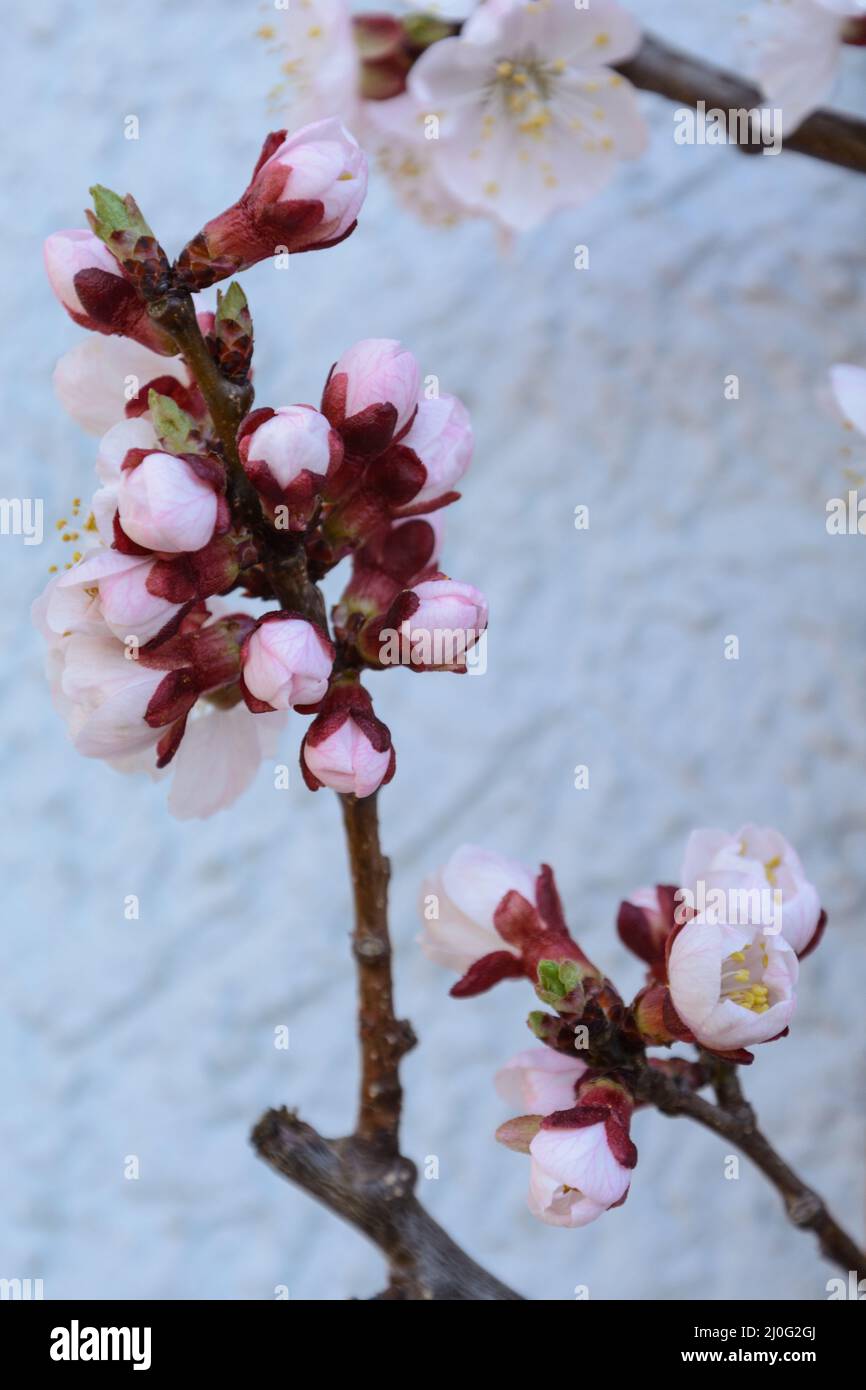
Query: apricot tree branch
[
  {"x": 364, "y": 1178},
  {"x": 734, "y": 1119},
  {"x": 827, "y": 135}
]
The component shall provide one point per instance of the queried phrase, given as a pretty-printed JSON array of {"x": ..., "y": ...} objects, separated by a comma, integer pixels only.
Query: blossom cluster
[
  {"x": 149, "y": 665},
  {"x": 510, "y": 115},
  {"x": 722, "y": 978},
  {"x": 513, "y": 109}
]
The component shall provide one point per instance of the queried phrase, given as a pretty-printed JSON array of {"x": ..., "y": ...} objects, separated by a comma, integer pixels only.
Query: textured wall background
[{"x": 707, "y": 518}]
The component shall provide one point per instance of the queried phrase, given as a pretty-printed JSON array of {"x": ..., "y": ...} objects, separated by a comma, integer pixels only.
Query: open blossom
[
  {"x": 93, "y": 290},
  {"x": 105, "y": 696},
  {"x": 372, "y": 393},
  {"x": 796, "y": 51},
  {"x": 305, "y": 194},
  {"x": 163, "y": 504},
  {"x": 755, "y": 860},
  {"x": 538, "y": 1080},
  {"x": 220, "y": 754},
  {"x": 129, "y": 608},
  {"x": 441, "y": 436},
  {"x": 531, "y": 115},
  {"x": 458, "y": 903},
  {"x": 732, "y": 986},
  {"x": 582, "y": 1158},
  {"x": 287, "y": 661},
  {"x": 91, "y": 381}
]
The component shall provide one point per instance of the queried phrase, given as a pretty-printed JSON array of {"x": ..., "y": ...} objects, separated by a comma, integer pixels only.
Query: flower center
[
  {"x": 742, "y": 979},
  {"x": 523, "y": 88}
]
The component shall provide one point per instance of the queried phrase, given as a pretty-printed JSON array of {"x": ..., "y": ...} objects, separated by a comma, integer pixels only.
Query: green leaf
[
  {"x": 111, "y": 211},
  {"x": 549, "y": 980},
  {"x": 116, "y": 218},
  {"x": 173, "y": 426},
  {"x": 232, "y": 304},
  {"x": 569, "y": 975}
]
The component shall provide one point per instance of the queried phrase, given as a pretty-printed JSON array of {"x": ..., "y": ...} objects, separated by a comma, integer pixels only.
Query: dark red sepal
[{"x": 483, "y": 974}]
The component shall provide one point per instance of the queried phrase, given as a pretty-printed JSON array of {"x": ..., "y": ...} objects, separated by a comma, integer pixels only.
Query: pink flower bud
[
  {"x": 287, "y": 454},
  {"x": 164, "y": 505},
  {"x": 95, "y": 293},
  {"x": 732, "y": 986},
  {"x": 582, "y": 1158},
  {"x": 435, "y": 626},
  {"x": 372, "y": 394},
  {"x": 305, "y": 193},
  {"x": 539, "y": 1081},
  {"x": 287, "y": 661},
  {"x": 458, "y": 903},
  {"x": 346, "y": 747},
  {"x": 441, "y": 436}
]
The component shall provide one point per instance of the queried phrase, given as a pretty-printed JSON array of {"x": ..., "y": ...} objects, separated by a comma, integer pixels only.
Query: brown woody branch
[
  {"x": 364, "y": 1178},
  {"x": 827, "y": 135},
  {"x": 734, "y": 1119}
]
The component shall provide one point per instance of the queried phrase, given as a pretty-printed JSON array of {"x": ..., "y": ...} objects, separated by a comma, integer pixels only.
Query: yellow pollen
[
  {"x": 61, "y": 523},
  {"x": 314, "y": 32},
  {"x": 601, "y": 40},
  {"x": 76, "y": 556},
  {"x": 90, "y": 523},
  {"x": 737, "y": 955},
  {"x": 491, "y": 189},
  {"x": 558, "y": 65},
  {"x": 267, "y": 31},
  {"x": 52, "y": 569},
  {"x": 770, "y": 869},
  {"x": 520, "y": 78},
  {"x": 504, "y": 69},
  {"x": 551, "y": 181},
  {"x": 345, "y": 177},
  {"x": 534, "y": 124}
]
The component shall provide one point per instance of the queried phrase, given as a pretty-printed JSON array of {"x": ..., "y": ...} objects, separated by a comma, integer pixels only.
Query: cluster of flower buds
[
  {"x": 722, "y": 957},
  {"x": 185, "y": 516}
]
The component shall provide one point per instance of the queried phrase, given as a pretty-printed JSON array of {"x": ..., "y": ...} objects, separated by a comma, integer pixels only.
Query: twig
[
  {"x": 734, "y": 1119},
  {"x": 827, "y": 135},
  {"x": 375, "y": 1195},
  {"x": 383, "y": 1038},
  {"x": 364, "y": 1178}
]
